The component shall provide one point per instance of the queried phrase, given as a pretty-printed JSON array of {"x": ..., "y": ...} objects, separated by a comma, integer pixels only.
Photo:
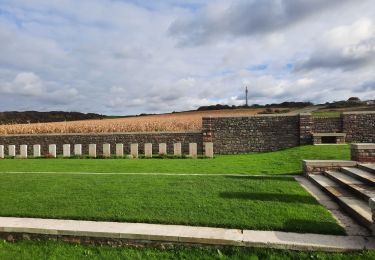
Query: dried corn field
[{"x": 186, "y": 121}]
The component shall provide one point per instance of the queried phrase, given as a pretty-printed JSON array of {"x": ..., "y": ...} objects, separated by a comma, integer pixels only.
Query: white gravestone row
[{"x": 134, "y": 150}]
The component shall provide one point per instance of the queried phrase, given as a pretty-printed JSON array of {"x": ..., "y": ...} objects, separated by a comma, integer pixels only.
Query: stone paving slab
[
  {"x": 352, "y": 228},
  {"x": 185, "y": 234}
]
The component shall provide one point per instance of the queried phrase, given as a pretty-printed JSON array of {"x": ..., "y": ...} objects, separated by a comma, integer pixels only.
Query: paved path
[
  {"x": 166, "y": 174},
  {"x": 185, "y": 234}
]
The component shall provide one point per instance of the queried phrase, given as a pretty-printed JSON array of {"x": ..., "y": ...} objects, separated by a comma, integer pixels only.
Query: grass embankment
[
  {"x": 61, "y": 250},
  {"x": 331, "y": 114},
  {"x": 281, "y": 162},
  {"x": 246, "y": 202}
]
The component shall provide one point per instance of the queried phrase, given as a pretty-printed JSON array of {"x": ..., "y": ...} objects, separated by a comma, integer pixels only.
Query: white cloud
[{"x": 121, "y": 57}]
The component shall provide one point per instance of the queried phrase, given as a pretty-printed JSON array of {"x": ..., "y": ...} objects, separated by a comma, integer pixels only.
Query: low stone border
[
  {"x": 133, "y": 233},
  {"x": 319, "y": 166}
]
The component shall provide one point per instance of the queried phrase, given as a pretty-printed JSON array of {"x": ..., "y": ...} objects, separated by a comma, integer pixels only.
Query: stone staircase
[{"x": 351, "y": 188}]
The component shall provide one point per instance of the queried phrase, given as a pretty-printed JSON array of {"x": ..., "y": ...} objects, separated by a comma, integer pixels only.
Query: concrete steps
[
  {"x": 363, "y": 175},
  {"x": 362, "y": 190},
  {"x": 351, "y": 188},
  {"x": 367, "y": 167},
  {"x": 356, "y": 207}
]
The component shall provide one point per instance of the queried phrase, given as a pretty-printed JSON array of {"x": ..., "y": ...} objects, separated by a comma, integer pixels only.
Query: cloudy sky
[{"x": 126, "y": 57}]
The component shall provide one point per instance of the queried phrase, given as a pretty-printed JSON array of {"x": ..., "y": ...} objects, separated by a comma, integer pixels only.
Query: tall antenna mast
[{"x": 247, "y": 104}]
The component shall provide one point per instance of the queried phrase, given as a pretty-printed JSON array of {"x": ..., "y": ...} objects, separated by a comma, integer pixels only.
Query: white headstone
[
  {"x": 209, "y": 149},
  {"x": 36, "y": 150},
  {"x": 92, "y": 150},
  {"x": 119, "y": 150},
  {"x": 148, "y": 150},
  {"x": 66, "y": 150},
  {"x": 177, "y": 149},
  {"x": 193, "y": 150},
  {"x": 52, "y": 150},
  {"x": 23, "y": 151},
  {"x": 2, "y": 155},
  {"x": 12, "y": 150},
  {"x": 78, "y": 149},
  {"x": 107, "y": 150},
  {"x": 134, "y": 150},
  {"x": 163, "y": 148}
]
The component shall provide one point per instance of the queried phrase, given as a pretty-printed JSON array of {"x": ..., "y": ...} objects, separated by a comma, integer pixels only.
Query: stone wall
[
  {"x": 305, "y": 128},
  {"x": 363, "y": 152},
  {"x": 359, "y": 127},
  {"x": 85, "y": 139},
  {"x": 232, "y": 135},
  {"x": 327, "y": 125}
]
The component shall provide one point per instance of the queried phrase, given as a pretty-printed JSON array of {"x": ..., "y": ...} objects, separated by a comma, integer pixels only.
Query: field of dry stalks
[{"x": 186, "y": 121}]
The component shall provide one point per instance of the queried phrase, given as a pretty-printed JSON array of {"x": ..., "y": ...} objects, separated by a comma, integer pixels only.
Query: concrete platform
[{"x": 184, "y": 234}]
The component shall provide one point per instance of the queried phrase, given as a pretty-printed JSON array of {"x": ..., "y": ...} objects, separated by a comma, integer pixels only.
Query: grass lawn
[
  {"x": 61, "y": 250},
  {"x": 281, "y": 162},
  {"x": 247, "y": 202},
  {"x": 326, "y": 114}
]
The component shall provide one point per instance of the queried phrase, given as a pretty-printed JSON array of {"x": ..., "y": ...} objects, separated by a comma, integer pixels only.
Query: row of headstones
[{"x": 177, "y": 151}]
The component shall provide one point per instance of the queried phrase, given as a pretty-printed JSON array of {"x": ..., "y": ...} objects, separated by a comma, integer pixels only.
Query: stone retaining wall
[
  {"x": 232, "y": 135},
  {"x": 359, "y": 127},
  {"x": 327, "y": 125},
  {"x": 99, "y": 139}
]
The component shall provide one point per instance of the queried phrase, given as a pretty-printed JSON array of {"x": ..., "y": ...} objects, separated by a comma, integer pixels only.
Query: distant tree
[{"x": 354, "y": 99}]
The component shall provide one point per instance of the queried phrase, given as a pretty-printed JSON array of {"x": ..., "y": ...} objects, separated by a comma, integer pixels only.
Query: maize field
[{"x": 185, "y": 121}]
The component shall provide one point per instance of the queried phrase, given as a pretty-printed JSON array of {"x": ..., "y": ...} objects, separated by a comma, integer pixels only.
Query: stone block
[
  {"x": 177, "y": 149},
  {"x": 52, "y": 150},
  {"x": 37, "y": 150},
  {"x": 12, "y": 150},
  {"x": 119, "y": 150},
  {"x": 92, "y": 150},
  {"x": 66, "y": 150},
  {"x": 78, "y": 149},
  {"x": 23, "y": 151},
  {"x": 193, "y": 150},
  {"x": 2, "y": 155},
  {"x": 372, "y": 208},
  {"x": 107, "y": 150},
  {"x": 209, "y": 149},
  {"x": 148, "y": 150},
  {"x": 163, "y": 149},
  {"x": 134, "y": 150}
]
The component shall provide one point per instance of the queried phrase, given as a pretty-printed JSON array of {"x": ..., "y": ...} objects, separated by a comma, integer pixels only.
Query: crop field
[{"x": 185, "y": 121}]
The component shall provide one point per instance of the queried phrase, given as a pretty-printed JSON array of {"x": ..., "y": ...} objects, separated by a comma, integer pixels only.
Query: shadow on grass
[
  {"x": 276, "y": 197},
  {"x": 311, "y": 226},
  {"x": 266, "y": 178}
]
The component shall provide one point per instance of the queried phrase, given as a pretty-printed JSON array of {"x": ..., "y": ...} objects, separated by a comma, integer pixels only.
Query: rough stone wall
[
  {"x": 305, "y": 128},
  {"x": 99, "y": 139},
  {"x": 359, "y": 127},
  {"x": 327, "y": 125},
  {"x": 232, "y": 135}
]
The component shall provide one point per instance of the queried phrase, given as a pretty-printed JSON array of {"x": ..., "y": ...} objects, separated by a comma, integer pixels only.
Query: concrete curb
[{"x": 185, "y": 234}]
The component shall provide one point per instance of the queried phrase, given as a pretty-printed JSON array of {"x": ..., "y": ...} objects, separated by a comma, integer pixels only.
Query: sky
[{"x": 119, "y": 57}]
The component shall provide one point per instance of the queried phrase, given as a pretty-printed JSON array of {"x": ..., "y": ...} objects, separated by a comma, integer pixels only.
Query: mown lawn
[
  {"x": 281, "y": 162},
  {"x": 61, "y": 250},
  {"x": 246, "y": 202}
]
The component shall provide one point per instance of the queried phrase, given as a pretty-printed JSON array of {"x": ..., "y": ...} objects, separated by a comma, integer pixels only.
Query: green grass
[
  {"x": 61, "y": 250},
  {"x": 326, "y": 114},
  {"x": 247, "y": 202},
  {"x": 281, "y": 162}
]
